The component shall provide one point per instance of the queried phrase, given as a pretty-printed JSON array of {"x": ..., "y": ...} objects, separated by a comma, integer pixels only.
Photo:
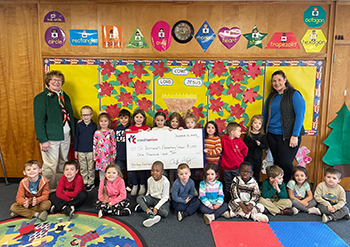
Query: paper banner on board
[
  {"x": 54, "y": 16},
  {"x": 112, "y": 36},
  {"x": 161, "y": 36},
  {"x": 313, "y": 40},
  {"x": 254, "y": 38},
  {"x": 83, "y": 37},
  {"x": 229, "y": 36},
  {"x": 137, "y": 40},
  {"x": 205, "y": 36},
  {"x": 283, "y": 41},
  {"x": 55, "y": 37},
  {"x": 314, "y": 16}
]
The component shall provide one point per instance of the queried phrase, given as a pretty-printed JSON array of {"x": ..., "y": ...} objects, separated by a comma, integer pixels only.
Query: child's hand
[
  {"x": 257, "y": 143},
  {"x": 140, "y": 130},
  {"x": 181, "y": 128},
  {"x": 188, "y": 199},
  {"x": 216, "y": 206},
  {"x": 26, "y": 203},
  {"x": 79, "y": 121},
  {"x": 304, "y": 203},
  {"x": 276, "y": 187},
  {"x": 110, "y": 204},
  {"x": 76, "y": 155},
  {"x": 331, "y": 209},
  {"x": 212, "y": 207},
  {"x": 155, "y": 211},
  {"x": 34, "y": 201},
  {"x": 205, "y": 150},
  {"x": 128, "y": 130},
  {"x": 250, "y": 207},
  {"x": 244, "y": 209}
]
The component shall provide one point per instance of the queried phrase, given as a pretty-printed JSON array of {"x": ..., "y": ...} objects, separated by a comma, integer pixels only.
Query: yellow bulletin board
[{"x": 222, "y": 91}]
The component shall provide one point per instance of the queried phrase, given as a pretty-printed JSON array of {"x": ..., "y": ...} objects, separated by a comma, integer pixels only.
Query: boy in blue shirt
[
  {"x": 124, "y": 119},
  {"x": 183, "y": 193},
  {"x": 83, "y": 144}
]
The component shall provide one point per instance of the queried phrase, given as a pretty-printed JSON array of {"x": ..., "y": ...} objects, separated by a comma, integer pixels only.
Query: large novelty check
[{"x": 171, "y": 147}]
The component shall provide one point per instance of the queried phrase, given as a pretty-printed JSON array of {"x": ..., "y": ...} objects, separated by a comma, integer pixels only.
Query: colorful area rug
[{"x": 84, "y": 229}]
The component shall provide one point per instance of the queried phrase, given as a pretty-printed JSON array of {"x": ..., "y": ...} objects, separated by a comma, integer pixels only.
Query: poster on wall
[
  {"x": 112, "y": 36},
  {"x": 161, "y": 36},
  {"x": 283, "y": 41},
  {"x": 205, "y": 36},
  {"x": 313, "y": 40},
  {"x": 137, "y": 40},
  {"x": 54, "y": 16},
  {"x": 229, "y": 36},
  {"x": 314, "y": 16},
  {"x": 55, "y": 37},
  {"x": 83, "y": 37},
  {"x": 254, "y": 38}
]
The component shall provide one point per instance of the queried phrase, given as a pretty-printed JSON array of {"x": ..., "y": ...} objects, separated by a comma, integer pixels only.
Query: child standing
[
  {"x": 274, "y": 194},
  {"x": 138, "y": 123},
  {"x": 112, "y": 193},
  {"x": 32, "y": 198},
  {"x": 183, "y": 193},
  {"x": 299, "y": 191},
  {"x": 83, "y": 146},
  {"x": 245, "y": 195},
  {"x": 124, "y": 119},
  {"x": 211, "y": 194},
  {"x": 159, "y": 120},
  {"x": 233, "y": 152},
  {"x": 331, "y": 197},
  {"x": 70, "y": 193},
  {"x": 255, "y": 140},
  {"x": 156, "y": 201},
  {"x": 212, "y": 143},
  {"x": 104, "y": 144}
]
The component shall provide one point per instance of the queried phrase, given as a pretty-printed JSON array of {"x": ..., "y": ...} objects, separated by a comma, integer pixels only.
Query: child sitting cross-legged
[
  {"x": 156, "y": 201},
  {"x": 245, "y": 195}
]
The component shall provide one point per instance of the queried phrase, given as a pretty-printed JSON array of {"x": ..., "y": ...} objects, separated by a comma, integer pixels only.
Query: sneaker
[
  {"x": 13, "y": 215},
  {"x": 233, "y": 214},
  {"x": 295, "y": 210},
  {"x": 181, "y": 215},
  {"x": 134, "y": 190},
  {"x": 286, "y": 211},
  {"x": 326, "y": 218},
  {"x": 347, "y": 217},
  {"x": 314, "y": 210},
  {"x": 153, "y": 219},
  {"x": 100, "y": 213},
  {"x": 89, "y": 187},
  {"x": 129, "y": 187},
  {"x": 42, "y": 215},
  {"x": 52, "y": 209},
  {"x": 259, "y": 217},
  {"x": 69, "y": 210},
  {"x": 227, "y": 214},
  {"x": 138, "y": 208},
  {"x": 142, "y": 190},
  {"x": 125, "y": 212},
  {"x": 208, "y": 218}
]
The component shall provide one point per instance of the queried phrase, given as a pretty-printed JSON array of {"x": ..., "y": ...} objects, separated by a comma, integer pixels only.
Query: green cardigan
[{"x": 48, "y": 120}]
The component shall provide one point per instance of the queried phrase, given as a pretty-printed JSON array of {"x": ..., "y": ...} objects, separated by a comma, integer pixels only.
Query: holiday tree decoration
[{"x": 338, "y": 140}]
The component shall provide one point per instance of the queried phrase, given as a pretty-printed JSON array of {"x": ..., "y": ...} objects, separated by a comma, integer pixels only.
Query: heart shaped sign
[{"x": 229, "y": 36}]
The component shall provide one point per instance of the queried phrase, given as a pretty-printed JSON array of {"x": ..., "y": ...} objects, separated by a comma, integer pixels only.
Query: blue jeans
[
  {"x": 190, "y": 207},
  {"x": 217, "y": 213}
]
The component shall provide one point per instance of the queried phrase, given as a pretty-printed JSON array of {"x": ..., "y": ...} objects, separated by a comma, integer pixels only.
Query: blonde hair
[
  {"x": 274, "y": 171},
  {"x": 189, "y": 114},
  {"x": 232, "y": 126},
  {"x": 120, "y": 174},
  {"x": 256, "y": 117}
]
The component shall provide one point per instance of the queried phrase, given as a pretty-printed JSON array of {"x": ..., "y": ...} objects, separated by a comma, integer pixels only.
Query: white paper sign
[{"x": 171, "y": 147}]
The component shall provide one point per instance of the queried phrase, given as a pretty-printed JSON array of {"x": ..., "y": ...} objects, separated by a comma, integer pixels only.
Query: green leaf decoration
[
  {"x": 259, "y": 97},
  {"x": 222, "y": 81},
  {"x": 245, "y": 116},
  {"x": 151, "y": 68},
  {"x": 200, "y": 105},
  {"x": 99, "y": 96},
  {"x": 134, "y": 98},
  {"x": 146, "y": 74},
  {"x": 105, "y": 77},
  {"x": 97, "y": 86},
  {"x": 205, "y": 113},
  {"x": 130, "y": 67},
  {"x": 114, "y": 83},
  {"x": 99, "y": 68},
  {"x": 245, "y": 81},
  {"x": 259, "y": 62},
  {"x": 131, "y": 84},
  {"x": 226, "y": 74},
  {"x": 239, "y": 96},
  {"x": 207, "y": 93},
  {"x": 211, "y": 75},
  {"x": 114, "y": 91},
  {"x": 148, "y": 91},
  {"x": 229, "y": 81},
  {"x": 131, "y": 75},
  {"x": 243, "y": 88},
  {"x": 134, "y": 94},
  {"x": 129, "y": 106},
  {"x": 262, "y": 71},
  {"x": 225, "y": 91},
  {"x": 158, "y": 107},
  {"x": 201, "y": 122},
  {"x": 231, "y": 119},
  {"x": 148, "y": 82},
  {"x": 122, "y": 90},
  {"x": 244, "y": 105},
  {"x": 225, "y": 63},
  {"x": 225, "y": 105},
  {"x": 117, "y": 72},
  {"x": 207, "y": 107},
  {"x": 221, "y": 113},
  {"x": 256, "y": 88},
  {"x": 207, "y": 83},
  {"x": 164, "y": 60},
  {"x": 104, "y": 107},
  {"x": 114, "y": 63},
  {"x": 151, "y": 113}
]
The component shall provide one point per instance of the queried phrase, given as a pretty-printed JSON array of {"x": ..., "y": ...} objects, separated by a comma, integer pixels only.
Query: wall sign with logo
[
  {"x": 54, "y": 16},
  {"x": 112, "y": 36},
  {"x": 314, "y": 16},
  {"x": 83, "y": 37},
  {"x": 283, "y": 41},
  {"x": 161, "y": 36},
  {"x": 205, "y": 36},
  {"x": 55, "y": 37}
]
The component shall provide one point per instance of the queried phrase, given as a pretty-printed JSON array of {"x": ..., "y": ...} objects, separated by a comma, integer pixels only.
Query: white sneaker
[
  {"x": 142, "y": 190},
  {"x": 227, "y": 214},
  {"x": 232, "y": 214},
  {"x": 151, "y": 221},
  {"x": 259, "y": 217},
  {"x": 100, "y": 213},
  {"x": 314, "y": 210},
  {"x": 134, "y": 190},
  {"x": 295, "y": 210},
  {"x": 208, "y": 218}
]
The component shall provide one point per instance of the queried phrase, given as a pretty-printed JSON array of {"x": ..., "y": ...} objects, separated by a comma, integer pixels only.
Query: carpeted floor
[{"x": 192, "y": 231}]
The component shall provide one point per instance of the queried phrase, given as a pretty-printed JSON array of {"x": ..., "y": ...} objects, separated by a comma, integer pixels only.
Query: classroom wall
[{"x": 23, "y": 49}]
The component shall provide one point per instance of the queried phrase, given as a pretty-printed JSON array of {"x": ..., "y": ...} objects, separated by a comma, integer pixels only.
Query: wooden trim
[{"x": 342, "y": 42}]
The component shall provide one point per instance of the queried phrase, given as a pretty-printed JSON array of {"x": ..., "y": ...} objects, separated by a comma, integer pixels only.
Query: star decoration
[{"x": 254, "y": 38}]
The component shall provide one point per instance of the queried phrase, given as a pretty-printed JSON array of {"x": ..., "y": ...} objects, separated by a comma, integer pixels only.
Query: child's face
[
  {"x": 104, "y": 122},
  {"x": 157, "y": 172},
  {"x": 246, "y": 173},
  {"x": 211, "y": 129},
  {"x": 70, "y": 172},
  {"x": 138, "y": 119},
  {"x": 111, "y": 174},
  {"x": 256, "y": 125},
  {"x": 32, "y": 172},
  {"x": 190, "y": 123},
  {"x": 300, "y": 177},
  {"x": 174, "y": 123},
  {"x": 124, "y": 120},
  {"x": 235, "y": 133},
  {"x": 331, "y": 180},
  {"x": 278, "y": 179},
  {"x": 211, "y": 175},
  {"x": 184, "y": 174},
  {"x": 159, "y": 120},
  {"x": 86, "y": 115}
]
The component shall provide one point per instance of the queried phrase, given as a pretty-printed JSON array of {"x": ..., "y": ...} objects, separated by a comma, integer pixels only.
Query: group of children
[{"x": 99, "y": 146}]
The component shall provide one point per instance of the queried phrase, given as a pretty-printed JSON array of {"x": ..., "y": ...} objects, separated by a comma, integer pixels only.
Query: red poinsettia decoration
[
  {"x": 221, "y": 124},
  {"x": 198, "y": 69},
  {"x": 249, "y": 95},
  {"x": 234, "y": 89},
  {"x": 144, "y": 104},
  {"x": 236, "y": 111},
  {"x": 125, "y": 98},
  {"x": 106, "y": 89},
  {"x": 218, "y": 68},
  {"x": 215, "y": 88},
  {"x": 243, "y": 128},
  {"x": 165, "y": 112},
  {"x": 237, "y": 74},
  {"x": 140, "y": 87},
  {"x": 253, "y": 70},
  {"x": 113, "y": 111},
  {"x": 216, "y": 105},
  {"x": 107, "y": 68},
  {"x": 138, "y": 70},
  {"x": 198, "y": 112},
  {"x": 124, "y": 78},
  {"x": 159, "y": 69},
  {"x": 114, "y": 123}
]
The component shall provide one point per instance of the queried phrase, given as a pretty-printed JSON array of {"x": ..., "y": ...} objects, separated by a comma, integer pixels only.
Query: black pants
[
  {"x": 77, "y": 202},
  {"x": 257, "y": 167},
  {"x": 283, "y": 155}
]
